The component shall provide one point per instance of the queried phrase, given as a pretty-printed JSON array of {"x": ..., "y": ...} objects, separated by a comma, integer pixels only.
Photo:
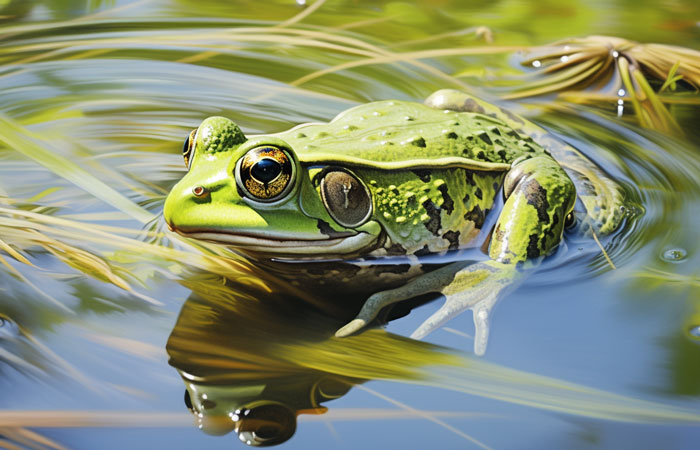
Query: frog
[{"x": 395, "y": 180}]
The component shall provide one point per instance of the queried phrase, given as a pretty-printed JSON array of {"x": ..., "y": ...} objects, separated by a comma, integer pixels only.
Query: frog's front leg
[
  {"x": 465, "y": 285},
  {"x": 539, "y": 196}
]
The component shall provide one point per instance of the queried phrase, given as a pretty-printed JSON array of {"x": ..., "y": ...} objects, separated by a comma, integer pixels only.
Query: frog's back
[{"x": 406, "y": 134}]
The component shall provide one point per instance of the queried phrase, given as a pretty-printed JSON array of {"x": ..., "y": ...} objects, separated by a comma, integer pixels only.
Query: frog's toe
[
  {"x": 353, "y": 327},
  {"x": 481, "y": 309},
  {"x": 481, "y": 329}
]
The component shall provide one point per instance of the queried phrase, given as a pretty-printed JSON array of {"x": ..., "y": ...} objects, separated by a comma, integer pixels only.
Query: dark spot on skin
[
  {"x": 422, "y": 252},
  {"x": 448, "y": 205},
  {"x": 423, "y": 174},
  {"x": 496, "y": 131},
  {"x": 478, "y": 194},
  {"x": 536, "y": 196},
  {"x": 453, "y": 238},
  {"x": 465, "y": 200},
  {"x": 477, "y": 216},
  {"x": 481, "y": 155},
  {"x": 471, "y": 105},
  {"x": 498, "y": 234},
  {"x": 502, "y": 154},
  {"x": 469, "y": 175},
  {"x": 420, "y": 142},
  {"x": 533, "y": 250},
  {"x": 326, "y": 229},
  {"x": 485, "y": 137},
  {"x": 433, "y": 224},
  {"x": 452, "y": 135},
  {"x": 512, "y": 116},
  {"x": 395, "y": 249}
]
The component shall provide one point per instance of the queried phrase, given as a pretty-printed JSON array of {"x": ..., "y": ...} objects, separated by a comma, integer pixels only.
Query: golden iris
[{"x": 266, "y": 172}]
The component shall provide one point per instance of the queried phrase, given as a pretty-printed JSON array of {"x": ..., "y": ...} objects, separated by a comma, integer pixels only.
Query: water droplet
[
  {"x": 615, "y": 54},
  {"x": 536, "y": 63},
  {"x": 301, "y": 2},
  {"x": 620, "y": 107},
  {"x": 564, "y": 58},
  {"x": 694, "y": 332},
  {"x": 8, "y": 328},
  {"x": 621, "y": 93},
  {"x": 674, "y": 255}
]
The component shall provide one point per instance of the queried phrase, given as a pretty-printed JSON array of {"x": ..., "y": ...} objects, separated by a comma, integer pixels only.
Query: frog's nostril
[{"x": 199, "y": 191}]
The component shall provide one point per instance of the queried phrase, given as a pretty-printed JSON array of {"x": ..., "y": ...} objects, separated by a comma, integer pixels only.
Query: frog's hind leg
[{"x": 600, "y": 195}]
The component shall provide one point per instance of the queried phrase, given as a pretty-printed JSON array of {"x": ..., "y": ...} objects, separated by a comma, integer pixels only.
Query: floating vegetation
[{"x": 615, "y": 71}]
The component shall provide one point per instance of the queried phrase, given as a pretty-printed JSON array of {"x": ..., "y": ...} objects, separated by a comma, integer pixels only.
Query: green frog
[{"x": 395, "y": 181}]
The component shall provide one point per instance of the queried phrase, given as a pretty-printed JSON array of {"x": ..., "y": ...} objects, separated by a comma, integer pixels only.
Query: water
[{"x": 100, "y": 337}]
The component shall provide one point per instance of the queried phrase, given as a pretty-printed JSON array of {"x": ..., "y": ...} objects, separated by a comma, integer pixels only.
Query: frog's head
[
  {"x": 218, "y": 410},
  {"x": 255, "y": 195},
  {"x": 262, "y": 412}
]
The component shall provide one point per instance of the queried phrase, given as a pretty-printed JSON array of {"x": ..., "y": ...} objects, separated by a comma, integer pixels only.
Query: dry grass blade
[
  {"x": 304, "y": 14},
  {"x": 578, "y": 64},
  {"x": 30, "y": 439},
  {"x": 407, "y": 57},
  {"x": 50, "y": 232},
  {"x": 426, "y": 415}
]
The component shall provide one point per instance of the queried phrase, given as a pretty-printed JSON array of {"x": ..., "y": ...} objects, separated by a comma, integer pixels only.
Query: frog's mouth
[{"x": 292, "y": 246}]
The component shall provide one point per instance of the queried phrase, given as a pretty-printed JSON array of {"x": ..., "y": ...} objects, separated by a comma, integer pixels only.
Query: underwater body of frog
[{"x": 399, "y": 180}]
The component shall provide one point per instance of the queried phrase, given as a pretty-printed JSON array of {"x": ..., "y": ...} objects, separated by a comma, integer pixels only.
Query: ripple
[{"x": 674, "y": 255}]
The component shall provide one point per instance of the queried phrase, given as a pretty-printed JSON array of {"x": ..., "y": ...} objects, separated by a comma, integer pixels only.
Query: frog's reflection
[{"x": 254, "y": 357}]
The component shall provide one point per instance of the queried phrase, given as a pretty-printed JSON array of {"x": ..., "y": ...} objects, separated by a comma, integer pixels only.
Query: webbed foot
[
  {"x": 454, "y": 305},
  {"x": 465, "y": 286}
]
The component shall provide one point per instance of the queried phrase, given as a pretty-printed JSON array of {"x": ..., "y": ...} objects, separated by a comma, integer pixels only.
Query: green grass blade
[{"x": 18, "y": 138}]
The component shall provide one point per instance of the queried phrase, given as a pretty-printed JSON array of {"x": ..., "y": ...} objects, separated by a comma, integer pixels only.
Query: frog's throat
[{"x": 355, "y": 243}]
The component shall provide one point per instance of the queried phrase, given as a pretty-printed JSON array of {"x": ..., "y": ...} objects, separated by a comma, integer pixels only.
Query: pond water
[{"x": 106, "y": 317}]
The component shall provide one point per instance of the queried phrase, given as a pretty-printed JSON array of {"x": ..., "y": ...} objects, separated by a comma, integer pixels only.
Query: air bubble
[
  {"x": 621, "y": 93},
  {"x": 301, "y": 2},
  {"x": 615, "y": 54},
  {"x": 674, "y": 255},
  {"x": 536, "y": 63},
  {"x": 564, "y": 58}
]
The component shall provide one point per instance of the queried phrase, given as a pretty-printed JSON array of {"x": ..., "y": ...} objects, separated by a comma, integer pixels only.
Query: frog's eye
[
  {"x": 346, "y": 198},
  {"x": 265, "y": 173},
  {"x": 188, "y": 148},
  {"x": 265, "y": 425},
  {"x": 570, "y": 220}
]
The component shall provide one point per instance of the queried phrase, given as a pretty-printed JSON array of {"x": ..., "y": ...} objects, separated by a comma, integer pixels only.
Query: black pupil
[{"x": 265, "y": 170}]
